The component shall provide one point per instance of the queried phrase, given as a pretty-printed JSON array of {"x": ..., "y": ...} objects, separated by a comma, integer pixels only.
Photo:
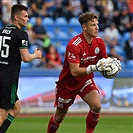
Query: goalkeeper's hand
[
  {"x": 102, "y": 65},
  {"x": 117, "y": 62},
  {"x": 114, "y": 60}
]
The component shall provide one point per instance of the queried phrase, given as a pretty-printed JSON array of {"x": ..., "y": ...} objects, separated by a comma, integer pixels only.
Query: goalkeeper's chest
[{"x": 90, "y": 55}]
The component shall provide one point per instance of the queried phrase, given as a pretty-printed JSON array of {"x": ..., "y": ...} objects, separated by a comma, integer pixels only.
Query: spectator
[
  {"x": 41, "y": 38},
  {"x": 130, "y": 7},
  {"x": 98, "y": 6},
  {"x": 109, "y": 5},
  {"x": 72, "y": 8},
  {"x": 53, "y": 59},
  {"x": 32, "y": 45},
  {"x": 105, "y": 19},
  {"x": 84, "y": 5},
  {"x": 76, "y": 7},
  {"x": 128, "y": 47},
  {"x": 6, "y": 9},
  {"x": 0, "y": 10},
  {"x": 110, "y": 33},
  {"x": 35, "y": 8},
  {"x": 59, "y": 9},
  {"x": 123, "y": 21},
  {"x": 119, "y": 4},
  {"x": 31, "y": 38},
  {"x": 49, "y": 8},
  {"x": 113, "y": 53},
  {"x": 23, "y": 2}
]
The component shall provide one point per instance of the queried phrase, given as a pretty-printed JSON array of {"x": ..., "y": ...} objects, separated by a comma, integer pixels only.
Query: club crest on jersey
[
  {"x": 24, "y": 42},
  {"x": 97, "y": 50}
]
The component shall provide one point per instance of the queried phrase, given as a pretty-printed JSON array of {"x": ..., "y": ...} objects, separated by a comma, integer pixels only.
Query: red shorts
[{"x": 65, "y": 97}]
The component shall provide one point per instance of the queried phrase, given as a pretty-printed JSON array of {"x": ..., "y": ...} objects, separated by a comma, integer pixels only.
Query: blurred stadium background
[{"x": 37, "y": 82}]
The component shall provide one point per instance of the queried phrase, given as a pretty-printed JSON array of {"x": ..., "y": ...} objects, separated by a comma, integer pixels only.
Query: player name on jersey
[{"x": 6, "y": 31}]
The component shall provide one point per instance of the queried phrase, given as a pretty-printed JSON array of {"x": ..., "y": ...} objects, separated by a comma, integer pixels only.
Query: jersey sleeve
[
  {"x": 23, "y": 40},
  {"x": 72, "y": 53}
]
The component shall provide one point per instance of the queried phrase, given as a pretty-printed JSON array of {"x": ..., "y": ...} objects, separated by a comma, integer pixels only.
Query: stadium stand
[
  {"x": 74, "y": 25},
  {"x": 32, "y": 20},
  {"x": 61, "y": 24},
  {"x": 49, "y": 25},
  {"x": 60, "y": 30}
]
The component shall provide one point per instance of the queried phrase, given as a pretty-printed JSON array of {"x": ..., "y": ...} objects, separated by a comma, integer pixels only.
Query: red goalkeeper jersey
[{"x": 79, "y": 51}]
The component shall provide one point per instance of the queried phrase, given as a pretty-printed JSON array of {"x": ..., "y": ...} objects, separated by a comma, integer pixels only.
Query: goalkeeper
[{"x": 85, "y": 54}]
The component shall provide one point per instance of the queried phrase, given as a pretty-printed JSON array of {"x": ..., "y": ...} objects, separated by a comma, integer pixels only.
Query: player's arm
[
  {"x": 102, "y": 65},
  {"x": 27, "y": 57},
  {"x": 77, "y": 71},
  {"x": 23, "y": 46}
]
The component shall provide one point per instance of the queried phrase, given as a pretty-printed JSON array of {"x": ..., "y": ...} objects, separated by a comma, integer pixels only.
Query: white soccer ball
[{"x": 115, "y": 68}]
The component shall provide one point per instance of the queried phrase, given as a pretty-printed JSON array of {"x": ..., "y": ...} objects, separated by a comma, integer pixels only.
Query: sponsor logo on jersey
[
  {"x": 24, "y": 42},
  {"x": 97, "y": 50},
  {"x": 77, "y": 41},
  {"x": 89, "y": 58},
  {"x": 71, "y": 56}
]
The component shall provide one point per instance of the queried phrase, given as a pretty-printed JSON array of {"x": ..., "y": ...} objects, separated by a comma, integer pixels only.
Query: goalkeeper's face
[{"x": 91, "y": 28}]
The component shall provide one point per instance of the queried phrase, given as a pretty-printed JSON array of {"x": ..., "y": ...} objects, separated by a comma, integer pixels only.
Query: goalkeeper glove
[
  {"x": 115, "y": 60},
  {"x": 102, "y": 65}
]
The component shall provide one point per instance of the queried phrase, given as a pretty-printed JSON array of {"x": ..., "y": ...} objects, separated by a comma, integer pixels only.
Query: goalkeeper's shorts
[{"x": 65, "y": 97}]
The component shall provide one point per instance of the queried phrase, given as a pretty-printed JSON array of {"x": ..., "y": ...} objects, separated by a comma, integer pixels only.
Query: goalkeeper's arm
[
  {"x": 77, "y": 71},
  {"x": 102, "y": 65}
]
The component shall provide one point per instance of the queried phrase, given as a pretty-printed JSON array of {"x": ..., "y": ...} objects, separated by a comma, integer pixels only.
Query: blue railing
[{"x": 55, "y": 73}]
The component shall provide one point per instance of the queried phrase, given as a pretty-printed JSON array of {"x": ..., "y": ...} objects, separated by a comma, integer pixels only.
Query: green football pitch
[{"x": 72, "y": 124}]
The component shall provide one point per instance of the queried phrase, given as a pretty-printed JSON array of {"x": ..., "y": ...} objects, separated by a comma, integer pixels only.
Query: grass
[{"x": 72, "y": 124}]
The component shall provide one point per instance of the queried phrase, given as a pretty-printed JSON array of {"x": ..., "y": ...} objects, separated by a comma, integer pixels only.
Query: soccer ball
[{"x": 113, "y": 73}]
